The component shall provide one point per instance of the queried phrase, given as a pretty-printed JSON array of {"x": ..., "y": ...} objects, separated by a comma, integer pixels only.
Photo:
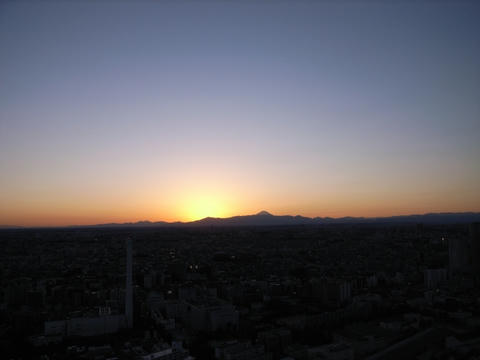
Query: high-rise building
[
  {"x": 458, "y": 256},
  {"x": 475, "y": 248},
  {"x": 128, "y": 286}
]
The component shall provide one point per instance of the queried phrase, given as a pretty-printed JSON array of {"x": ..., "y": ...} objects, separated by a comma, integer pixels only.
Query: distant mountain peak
[{"x": 264, "y": 218}]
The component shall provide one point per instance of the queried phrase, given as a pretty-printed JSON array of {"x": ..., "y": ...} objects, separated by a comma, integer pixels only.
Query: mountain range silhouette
[{"x": 264, "y": 218}]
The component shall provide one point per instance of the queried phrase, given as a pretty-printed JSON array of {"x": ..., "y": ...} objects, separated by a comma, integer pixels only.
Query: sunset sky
[{"x": 124, "y": 111}]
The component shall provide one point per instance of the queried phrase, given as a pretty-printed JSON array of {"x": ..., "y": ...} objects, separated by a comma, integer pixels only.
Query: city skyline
[{"x": 119, "y": 112}]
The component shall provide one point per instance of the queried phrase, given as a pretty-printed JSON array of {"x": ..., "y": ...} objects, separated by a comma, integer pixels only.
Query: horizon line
[{"x": 260, "y": 213}]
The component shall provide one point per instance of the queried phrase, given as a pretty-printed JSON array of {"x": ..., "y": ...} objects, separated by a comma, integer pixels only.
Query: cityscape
[
  {"x": 338, "y": 291},
  {"x": 240, "y": 180}
]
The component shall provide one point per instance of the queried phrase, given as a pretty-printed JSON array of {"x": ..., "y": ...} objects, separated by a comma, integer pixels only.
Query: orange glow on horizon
[
  {"x": 197, "y": 209},
  {"x": 204, "y": 206},
  {"x": 194, "y": 197}
]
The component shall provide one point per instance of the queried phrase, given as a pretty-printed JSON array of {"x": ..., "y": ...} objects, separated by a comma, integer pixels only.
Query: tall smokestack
[{"x": 128, "y": 286}]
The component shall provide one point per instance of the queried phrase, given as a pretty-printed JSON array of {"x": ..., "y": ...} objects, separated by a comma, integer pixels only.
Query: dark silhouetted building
[
  {"x": 475, "y": 248},
  {"x": 128, "y": 286}
]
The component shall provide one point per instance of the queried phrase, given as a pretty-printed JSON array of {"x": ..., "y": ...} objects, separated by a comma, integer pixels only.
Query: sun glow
[{"x": 204, "y": 206}]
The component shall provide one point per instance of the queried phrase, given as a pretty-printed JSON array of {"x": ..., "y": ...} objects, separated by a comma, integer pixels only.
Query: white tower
[{"x": 128, "y": 286}]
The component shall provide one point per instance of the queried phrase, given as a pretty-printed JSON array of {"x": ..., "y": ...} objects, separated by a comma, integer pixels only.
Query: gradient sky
[{"x": 122, "y": 111}]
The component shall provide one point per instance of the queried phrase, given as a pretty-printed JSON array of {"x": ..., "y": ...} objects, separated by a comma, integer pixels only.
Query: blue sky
[{"x": 318, "y": 108}]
